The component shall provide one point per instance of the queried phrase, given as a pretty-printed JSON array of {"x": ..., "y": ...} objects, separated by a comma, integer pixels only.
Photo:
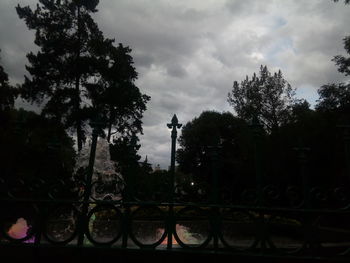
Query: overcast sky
[{"x": 189, "y": 52}]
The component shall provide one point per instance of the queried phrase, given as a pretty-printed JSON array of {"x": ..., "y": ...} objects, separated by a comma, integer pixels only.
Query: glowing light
[{"x": 19, "y": 229}]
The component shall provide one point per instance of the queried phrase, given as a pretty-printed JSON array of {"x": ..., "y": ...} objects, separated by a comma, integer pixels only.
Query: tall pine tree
[
  {"x": 117, "y": 98},
  {"x": 77, "y": 72}
]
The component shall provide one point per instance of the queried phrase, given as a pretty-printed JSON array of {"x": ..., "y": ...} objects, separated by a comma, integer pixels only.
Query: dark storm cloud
[
  {"x": 142, "y": 60},
  {"x": 189, "y": 52},
  {"x": 242, "y": 8}
]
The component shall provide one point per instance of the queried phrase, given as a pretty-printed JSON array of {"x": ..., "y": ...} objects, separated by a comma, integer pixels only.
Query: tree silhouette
[
  {"x": 65, "y": 33},
  {"x": 216, "y": 129},
  {"x": 268, "y": 97},
  {"x": 37, "y": 151},
  {"x": 342, "y": 62},
  {"x": 78, "y": 73},
  {"x": 345, "y": 1},
  {"x": 116, "y": 97},
  {"x": 8, "y": 94},
  {"x": 335, "y": 97}
]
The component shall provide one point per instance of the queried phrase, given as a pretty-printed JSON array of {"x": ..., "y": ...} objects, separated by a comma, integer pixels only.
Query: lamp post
[
  {"x": 173, "y": 125},
  {"x": 171, "y": 222}
]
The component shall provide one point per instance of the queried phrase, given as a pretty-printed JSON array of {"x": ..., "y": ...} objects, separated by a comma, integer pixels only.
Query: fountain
[
  {"x": 104, "y": 225},
  {"x": 107, "y": 184}
]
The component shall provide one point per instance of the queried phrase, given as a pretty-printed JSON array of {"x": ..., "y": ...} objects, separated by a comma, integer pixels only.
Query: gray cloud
[
  {"x": 15, "y": 41},
  {"x": 189, "y": 52}
]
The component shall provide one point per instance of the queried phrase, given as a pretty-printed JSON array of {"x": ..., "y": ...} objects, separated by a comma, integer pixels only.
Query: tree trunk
[
  {"x": 77, "y": 89},
  {"x": 109, "y": 131},
  {"x": 111, "y": 117},
  {"x": 77, "y": 108}
]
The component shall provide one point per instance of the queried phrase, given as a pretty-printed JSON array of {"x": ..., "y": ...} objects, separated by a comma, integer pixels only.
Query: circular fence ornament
[
  {"x": 148, "y": 226},
  {"x": 104, "y": 225},
  {"x": 61, "y": 224},
  {"x": 333, "y": 232},
  {"x": 193, "y": 229},
  {"x": 341, "y": 197},
  {"x": 238, "y": 229},
  {"x": 294, "y": 196},
  {"x": 286, "y": 232}
]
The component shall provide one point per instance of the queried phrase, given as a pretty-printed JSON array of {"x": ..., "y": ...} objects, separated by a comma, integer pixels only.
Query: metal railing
[{"x": 305, "y": 228}]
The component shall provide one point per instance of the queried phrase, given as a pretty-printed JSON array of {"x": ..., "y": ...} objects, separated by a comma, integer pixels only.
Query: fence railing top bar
[{"x": 124, "y": 204}]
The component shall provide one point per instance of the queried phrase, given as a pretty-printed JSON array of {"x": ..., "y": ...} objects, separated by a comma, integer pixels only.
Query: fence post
[
  {"x": 302, "y": 159},
  {"x": 258, "y": 160},
  {"x": 215, "y": 193},
  {"x": 214, "y": 158},
  {"x": 346, "y": 140}
]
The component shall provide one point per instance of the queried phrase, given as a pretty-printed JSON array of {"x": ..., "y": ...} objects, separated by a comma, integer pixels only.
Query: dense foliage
[
  {"x": 77, "y": 73},
  {"x": 298, "y": 146},
  {"x": 37, "y": 152},
  {"x": 267, "y": 97},
  {"x": 8, "y": 93},
  {"x": 210, "y": 129}
]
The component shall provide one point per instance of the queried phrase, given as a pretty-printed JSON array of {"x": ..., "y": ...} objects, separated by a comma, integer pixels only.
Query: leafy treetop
[{"x": 267, "y": 97}]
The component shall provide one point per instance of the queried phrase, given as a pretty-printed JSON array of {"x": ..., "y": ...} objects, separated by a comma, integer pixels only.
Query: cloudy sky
[{"x": 189, "y": 52}]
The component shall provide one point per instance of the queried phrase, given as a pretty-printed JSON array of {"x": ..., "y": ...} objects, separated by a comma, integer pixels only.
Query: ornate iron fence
[{"x": 314, "y": 224}]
